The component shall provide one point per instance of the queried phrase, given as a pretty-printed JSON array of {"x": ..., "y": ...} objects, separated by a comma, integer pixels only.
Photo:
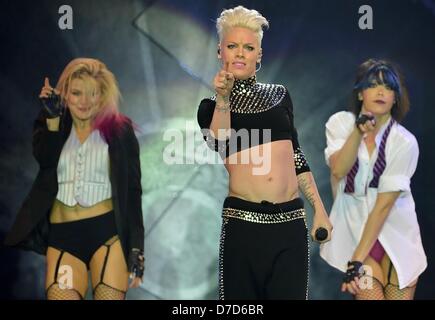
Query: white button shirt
[
  {"x": 400, "y": 234},
  {"x": 83, "y": 171}
]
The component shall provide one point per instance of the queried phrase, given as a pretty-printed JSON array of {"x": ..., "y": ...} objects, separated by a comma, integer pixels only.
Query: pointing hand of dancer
[{"x": 47, "y": 89}]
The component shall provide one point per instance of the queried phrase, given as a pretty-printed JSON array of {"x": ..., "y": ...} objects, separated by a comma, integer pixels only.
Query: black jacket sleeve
[
  {"x": 47, "y": 145},
  {"x": 135, "y": 217},
  {"x": 301, "y": 164}
]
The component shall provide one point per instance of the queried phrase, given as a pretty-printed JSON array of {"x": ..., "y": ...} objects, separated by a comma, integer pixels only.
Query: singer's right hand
[
  {"x": 47, "y": 90},
  {"x": 223, "y": 83}
]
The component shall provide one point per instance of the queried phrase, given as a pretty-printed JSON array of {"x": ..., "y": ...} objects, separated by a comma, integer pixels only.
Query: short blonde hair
[
  {"x": 88, "y": 69},
  {"x": 241, "y": 17}
]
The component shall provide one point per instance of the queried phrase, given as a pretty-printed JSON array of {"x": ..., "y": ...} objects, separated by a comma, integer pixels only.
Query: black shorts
[{"x": 82, "y": 238}]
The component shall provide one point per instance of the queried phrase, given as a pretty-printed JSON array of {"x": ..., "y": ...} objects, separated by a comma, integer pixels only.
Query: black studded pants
[{"x": 263, "y": 251}]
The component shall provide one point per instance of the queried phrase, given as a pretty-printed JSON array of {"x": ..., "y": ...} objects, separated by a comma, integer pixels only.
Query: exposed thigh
[
  {"x": 392, "y": 289},
  {"x": 109, "y": 267},
  {"x": 375, "y": 270},
  {"x": 71, "y": 270},
  {"x": 391, "y": 276}
]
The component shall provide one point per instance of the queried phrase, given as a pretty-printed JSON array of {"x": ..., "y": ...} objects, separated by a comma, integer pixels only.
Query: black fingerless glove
[
  {"x": 52, "y": 105},
  {"x": 136, "y": 262},
  {"x": 354, "y": 269}
]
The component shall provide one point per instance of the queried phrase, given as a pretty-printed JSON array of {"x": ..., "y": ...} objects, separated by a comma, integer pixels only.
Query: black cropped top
[{"x": 260, "y": 113}]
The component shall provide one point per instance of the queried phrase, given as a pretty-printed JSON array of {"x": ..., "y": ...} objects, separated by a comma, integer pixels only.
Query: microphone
[
  {"x": 321, "y": 234},
  {"x": 362, "y": 119}
]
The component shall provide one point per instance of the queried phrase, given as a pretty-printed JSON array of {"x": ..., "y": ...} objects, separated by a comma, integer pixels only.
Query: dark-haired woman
[{"x": 372, "y": 158}]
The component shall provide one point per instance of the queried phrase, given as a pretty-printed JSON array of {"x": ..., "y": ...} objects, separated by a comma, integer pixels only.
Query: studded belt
[{"x": 263, "y": 217}]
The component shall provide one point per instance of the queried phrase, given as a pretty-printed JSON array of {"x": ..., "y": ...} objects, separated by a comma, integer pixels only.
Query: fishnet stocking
[
  {"x": 392, "y": 292},
  {"x": 54, "y": 292},
  {"x": 373, "y": 291},
  {"x": 105, "y": 292}
]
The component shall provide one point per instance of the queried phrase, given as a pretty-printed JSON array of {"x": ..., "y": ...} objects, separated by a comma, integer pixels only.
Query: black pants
[{"x": 263, "y": 251}]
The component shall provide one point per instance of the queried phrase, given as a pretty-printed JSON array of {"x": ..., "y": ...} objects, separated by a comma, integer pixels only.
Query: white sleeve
[
  {"x": 338, "y": 129},
  {"x": 400, "y": 168}
]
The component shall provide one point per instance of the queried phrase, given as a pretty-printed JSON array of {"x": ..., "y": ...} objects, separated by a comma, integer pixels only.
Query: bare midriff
[
  {"x": 274, "y": 180},
  {"x": 61, "y": 213}
]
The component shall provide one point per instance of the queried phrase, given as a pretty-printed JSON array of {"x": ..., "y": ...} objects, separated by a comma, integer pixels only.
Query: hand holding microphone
[
  {"x": 322, "y": 228},
  {"x": 366, "y": 122}
]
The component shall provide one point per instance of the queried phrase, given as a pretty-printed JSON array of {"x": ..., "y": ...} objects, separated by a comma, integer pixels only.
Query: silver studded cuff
[
  {"x": 219, "y": 146},
  {"x": 301, "y": 164}
]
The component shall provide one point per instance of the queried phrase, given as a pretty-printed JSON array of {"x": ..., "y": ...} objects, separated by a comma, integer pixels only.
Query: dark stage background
[{"x": 164, "y": 56}]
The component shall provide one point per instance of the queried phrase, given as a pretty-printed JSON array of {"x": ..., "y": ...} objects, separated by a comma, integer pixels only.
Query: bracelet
[{"x": 224, "y": 109}]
